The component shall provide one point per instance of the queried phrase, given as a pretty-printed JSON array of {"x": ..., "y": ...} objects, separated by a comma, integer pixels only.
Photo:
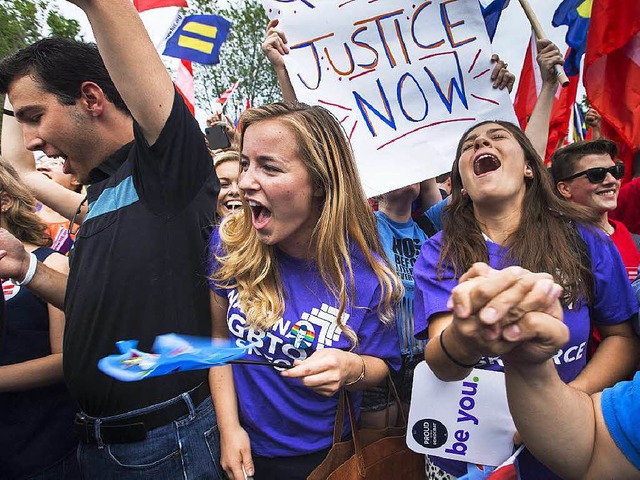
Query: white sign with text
[
  {"x": 467, "y": 420},
  {"x": 404, "y": 78}
]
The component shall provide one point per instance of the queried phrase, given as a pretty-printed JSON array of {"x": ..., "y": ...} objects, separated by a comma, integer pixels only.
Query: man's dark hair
[
  {"x": 564, "y": 160},
  {"x": 60, "y": 66}
]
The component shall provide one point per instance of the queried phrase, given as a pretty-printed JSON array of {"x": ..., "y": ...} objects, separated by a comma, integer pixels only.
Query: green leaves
[{"x": 24, "y": 21}]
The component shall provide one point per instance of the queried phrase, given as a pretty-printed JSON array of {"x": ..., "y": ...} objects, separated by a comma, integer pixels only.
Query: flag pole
[{"x": 537, "y": 28}]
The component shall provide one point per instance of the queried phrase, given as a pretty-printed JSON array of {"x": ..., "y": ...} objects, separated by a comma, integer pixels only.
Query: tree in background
[
  {"x": 241, "y": 57},
  {"x": 24, "y": 21}
]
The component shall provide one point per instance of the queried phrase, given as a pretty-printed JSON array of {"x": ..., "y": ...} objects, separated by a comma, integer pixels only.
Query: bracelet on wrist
[
  {"x": 33, "y": 264},
  {"x": 362, "y": 373},
  {"x": 450, "y": 357}
]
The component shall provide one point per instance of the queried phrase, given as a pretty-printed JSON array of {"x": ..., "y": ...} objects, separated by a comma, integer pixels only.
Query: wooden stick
[{"x": 537, "y": 28}]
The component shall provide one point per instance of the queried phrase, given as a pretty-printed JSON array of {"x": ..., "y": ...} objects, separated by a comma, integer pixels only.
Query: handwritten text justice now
[{"x": 415, "y": 30}]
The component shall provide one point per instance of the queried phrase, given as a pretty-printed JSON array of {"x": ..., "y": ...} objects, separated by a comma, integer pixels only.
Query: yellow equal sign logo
[{"x": 195, "y": 43}]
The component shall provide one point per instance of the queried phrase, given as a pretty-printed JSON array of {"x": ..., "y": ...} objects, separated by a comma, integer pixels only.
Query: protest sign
[
  {"x": 467, "y": 420},
  {"x": 404, "y": 78}
]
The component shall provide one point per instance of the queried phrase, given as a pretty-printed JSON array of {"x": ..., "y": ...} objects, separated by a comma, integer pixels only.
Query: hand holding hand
[
  {"x": 274, "y": 45},
  {"x": 500, "y": 76},
  {"x": 496, "y": 311},
  {"x": 326, "y": 370},
  {"x": 548, "y": 57}
]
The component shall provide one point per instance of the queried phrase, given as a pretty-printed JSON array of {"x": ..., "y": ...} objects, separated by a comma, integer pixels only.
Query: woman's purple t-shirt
[
  {"x": 281, "y": 416},
  {"x": 614, "y": 303}
]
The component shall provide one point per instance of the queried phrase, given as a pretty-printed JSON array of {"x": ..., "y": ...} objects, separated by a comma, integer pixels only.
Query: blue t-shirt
[
  {"x": 281, "y": 416},
  {"x": 436, "y": 213},
  {"x": 402, "y": 243},
  {"x": 614, "y": 303},
  {"x": 621, "y": 411}
]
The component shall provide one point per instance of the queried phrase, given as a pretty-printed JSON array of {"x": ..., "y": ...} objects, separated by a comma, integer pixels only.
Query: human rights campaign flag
[
  {"x": 198, "y": 38},
  {"x": 576, "y": 15}
]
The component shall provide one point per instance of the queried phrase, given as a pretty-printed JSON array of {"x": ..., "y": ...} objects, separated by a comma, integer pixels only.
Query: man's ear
[
  {"x": 92, "y": 98},
  {"x": 565, "y": 190}
]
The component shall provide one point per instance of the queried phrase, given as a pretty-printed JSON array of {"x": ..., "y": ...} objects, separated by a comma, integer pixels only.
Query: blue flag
[
  {"x": 171, "y": 353},
  {"x": 491, "y": 14},
  {"x": 198, "y": 39},
  {"x": 576, "y": 15}
]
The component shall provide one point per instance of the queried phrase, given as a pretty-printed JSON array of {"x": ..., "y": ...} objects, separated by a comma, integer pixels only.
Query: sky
[{"x": 510, "y": 41}]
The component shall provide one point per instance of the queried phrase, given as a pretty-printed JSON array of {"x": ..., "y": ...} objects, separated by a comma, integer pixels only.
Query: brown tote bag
[{"x": 370, "y": 454}]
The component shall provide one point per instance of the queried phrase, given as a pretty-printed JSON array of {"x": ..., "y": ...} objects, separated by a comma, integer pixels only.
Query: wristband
[
  {"x": 33, "y": 264},
  {"x": 362, "y": 374},
  {"x": 450, "y": 357}
]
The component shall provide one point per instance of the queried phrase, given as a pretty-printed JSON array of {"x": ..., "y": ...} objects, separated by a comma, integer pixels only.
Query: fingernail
[
  {"x": 450, "y": 303},
  {"x": 557, "y": 290},
  {"x": 460, "y": 311},
  {"x": 488, "y": 315},
  {"x": 512, "y": 332},
  {"x": 548, "y": 287}
]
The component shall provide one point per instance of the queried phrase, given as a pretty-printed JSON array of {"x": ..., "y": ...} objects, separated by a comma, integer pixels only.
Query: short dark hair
[
  {"x": 564, "y": 160},
  {"x": 60, "y": 66},
  {"x": 443, "y": 177}
]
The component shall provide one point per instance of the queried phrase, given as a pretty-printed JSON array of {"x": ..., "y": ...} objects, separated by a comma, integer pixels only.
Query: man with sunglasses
[{"x": 585, "y": 173}]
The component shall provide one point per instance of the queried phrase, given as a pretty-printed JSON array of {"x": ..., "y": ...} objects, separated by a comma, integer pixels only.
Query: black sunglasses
[{"x": 598, "y": 174}]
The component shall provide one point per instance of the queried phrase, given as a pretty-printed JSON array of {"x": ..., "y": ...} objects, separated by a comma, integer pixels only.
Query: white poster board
[
  {"x": 404, "y": 78},
  {"x": 468, "y": 420}
]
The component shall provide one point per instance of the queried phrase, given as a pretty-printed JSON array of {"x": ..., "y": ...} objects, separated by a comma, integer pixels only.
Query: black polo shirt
[{"x": 139, "y": 262}]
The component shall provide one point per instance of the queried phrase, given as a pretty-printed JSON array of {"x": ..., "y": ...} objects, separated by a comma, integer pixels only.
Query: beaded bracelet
[
  {"x": 362, "y": 374},
  {"x": 450, "y": 357}
]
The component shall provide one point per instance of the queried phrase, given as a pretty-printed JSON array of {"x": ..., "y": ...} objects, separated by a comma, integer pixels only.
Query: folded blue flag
[
  {"x": 491, "y": 14},
  {"x": 198, "y": 39},
  {"x": 171, "y": 353},
  {"x": 576, "y": 15}
]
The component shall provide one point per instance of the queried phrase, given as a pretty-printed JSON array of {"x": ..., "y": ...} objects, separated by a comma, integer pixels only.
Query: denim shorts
[{"x": 186, "y": 448}]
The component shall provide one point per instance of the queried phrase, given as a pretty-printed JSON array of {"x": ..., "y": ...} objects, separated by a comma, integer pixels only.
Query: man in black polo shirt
[{"x": 138, "y": 268}]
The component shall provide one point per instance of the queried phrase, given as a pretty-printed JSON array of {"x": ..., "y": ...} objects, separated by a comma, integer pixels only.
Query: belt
[{"x": 135, "y": 428}]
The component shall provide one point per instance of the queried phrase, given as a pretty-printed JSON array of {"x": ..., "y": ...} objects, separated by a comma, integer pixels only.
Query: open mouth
[
  {"x": 607, "y": 193},
  {"x": 485, "y": 163},
  {"x": 232, "y": 204},
  {"x": 260, "y": 215}
]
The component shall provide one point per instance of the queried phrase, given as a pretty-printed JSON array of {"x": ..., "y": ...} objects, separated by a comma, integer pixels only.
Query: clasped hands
[{"x": 511, "y": 312}]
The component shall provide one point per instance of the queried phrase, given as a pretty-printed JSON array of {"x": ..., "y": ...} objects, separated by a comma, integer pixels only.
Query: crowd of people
[{"x": 131, "y": 225}]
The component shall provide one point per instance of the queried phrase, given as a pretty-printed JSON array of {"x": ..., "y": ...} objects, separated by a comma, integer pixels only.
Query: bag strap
[
  {"x": 337, "y": 426},
  {"x": 355, "y": 434}
]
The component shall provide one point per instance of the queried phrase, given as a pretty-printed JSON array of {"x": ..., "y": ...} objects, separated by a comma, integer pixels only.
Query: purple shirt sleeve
[
  {"x": 614, "y": 300},
  {"x": 432, "y": 294}
]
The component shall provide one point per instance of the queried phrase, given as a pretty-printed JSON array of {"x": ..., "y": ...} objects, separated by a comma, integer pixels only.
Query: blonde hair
[
  {"x": 21, "y": 217},
  {"x": 225, "y": 156},
  {"x": 251, "y": 266}
]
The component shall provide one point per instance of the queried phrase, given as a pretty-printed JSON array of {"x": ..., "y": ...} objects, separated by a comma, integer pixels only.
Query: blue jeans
[
  {"x": 65, "y": 469},
  {"x": 188, "y": 448}
]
